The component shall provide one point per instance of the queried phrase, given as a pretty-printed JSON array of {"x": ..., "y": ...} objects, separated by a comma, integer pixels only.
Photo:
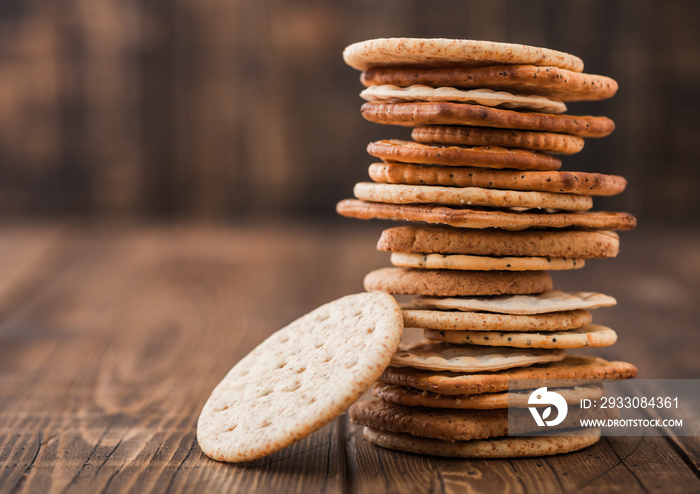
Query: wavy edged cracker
[
  {"x": 401, "y": 395},
  {"x": 592, "y": 336},
  {"x": 300, "y": 378},
  {"x": 413, "y": 114},
  {"x": 486, "y": 97},
  {"x": 551, "y": 301},
  {"x": 547, "y": 142},
  {"x": 441, "y": 51},
  {"x": 552, "y": 82},
  {"x": 449, "y": 383},
  {"x": 488, "y": 157},
  {"x": 502, "y": 447},
  {"x": 484, "y": 321},
  {"x": 484, "y": 263},
  {"x": 476, "y": 218},
  {"x": 471, "y": 196},
  {"x": 588, "y": 184},
  {"x": 445, "y": 283},
  {"x": 470, "y": 358},
  {"x": 490, "y": 242}
]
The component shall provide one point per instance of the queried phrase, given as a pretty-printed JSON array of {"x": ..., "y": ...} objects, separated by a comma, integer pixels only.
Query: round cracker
[
  {"x": 502, "y": 447},
  {"x": 441, "y": 51},
  {"x": 485, "y": 321},
  {"x": 469, "y": 196},
  {"x": 413, "y": 114},
  {"x": 488, "y": 157},
  {"x": 592, "y": 335},
  {"x": 300, "y": 378},
  {"x": 484, "y": 263}
]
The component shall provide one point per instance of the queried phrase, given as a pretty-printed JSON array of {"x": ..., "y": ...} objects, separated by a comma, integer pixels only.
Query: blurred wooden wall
[{"x": 222, "y": 109}]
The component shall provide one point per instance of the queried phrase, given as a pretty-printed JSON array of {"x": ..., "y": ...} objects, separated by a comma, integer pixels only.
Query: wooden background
[{"x": 222, "y": 109}]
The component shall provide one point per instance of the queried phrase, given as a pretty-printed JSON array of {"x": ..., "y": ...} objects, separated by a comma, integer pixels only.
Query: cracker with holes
[{"x": 300, "y": 378}]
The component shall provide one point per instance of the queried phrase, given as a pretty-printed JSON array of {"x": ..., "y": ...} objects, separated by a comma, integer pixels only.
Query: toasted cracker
[
  {"x": 547, "y": 142},
  {"x": 450, "y": 383},
  {"x": 485, "y": 321},
  {"x": 590, "y": 184},
  {"x": 446, "y": 283},
  {"x": 470, "y": 358},
  {"x": 502, "y": 447},
  {"x": 300, "y": 378},
  {"x": 488, "y": 157},
  {"x": 469, "y": 196},
  {"x": 484, "y": 263},
  {"x": 416, "y": 113},
  {"x": 552, "y": 82},
  {"x": 476, "y": 218},
  {"x": 591, "y": 336},
  {"x": 486, "y": 97},
  {"x": 490, "y": 242},
  {"x": 441, "y": 51},
  {"x": 551, "y": 301}
]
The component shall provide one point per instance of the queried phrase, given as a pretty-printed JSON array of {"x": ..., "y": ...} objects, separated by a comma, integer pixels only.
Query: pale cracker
[
  {"x": 484, "y": 263},
  {"x": 591, "y": 336},
  {"x": 486, "y": 97},
  {"x": 469, "y": 196},
  {"x": 472, "y": 358},
  {"x": 300, "y": 378},
  {"x": 551, "y": 301}
]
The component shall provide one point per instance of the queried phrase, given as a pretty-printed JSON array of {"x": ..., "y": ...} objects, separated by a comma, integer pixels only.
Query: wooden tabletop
[{"x": 112, "y": 337}]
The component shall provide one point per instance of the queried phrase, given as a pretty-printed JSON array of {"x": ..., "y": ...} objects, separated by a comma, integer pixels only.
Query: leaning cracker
[
  {"x": 470, "y": 358},
  {"x": 440, "y": 51},
  {"x": 488, "y": 157},
  {"x": 471, "y": 196},
  {"x": 551, "y": 301},
  {"x": 401, "y": 395},
  {"x": 552, "y": 82},
  {"x": 547, "y": 142},
  {"x": 501, "y": 447},
  {"x": 486, "y": 97},
  {"x": 300, "y": 378},
  {"x": 491, "y": 242},
  {"x": 446, "y": 283},
  {"x": 577, "y": 368},
  {"x": 476, "y": 218},
  {"x": 413, "y": 114},
  {"x": 484, "y": 263},
  {"x": 590, "y": 184},
  {"x": 485, "y": 321},
  {"x": 591, "y": 336}
]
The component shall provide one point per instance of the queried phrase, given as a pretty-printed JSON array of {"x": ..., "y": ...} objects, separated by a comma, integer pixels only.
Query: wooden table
[{"x": 112, "y": 337}]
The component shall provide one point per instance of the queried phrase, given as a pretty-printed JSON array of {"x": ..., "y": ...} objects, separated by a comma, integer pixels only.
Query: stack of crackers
[{"x": 492, "y": 214}]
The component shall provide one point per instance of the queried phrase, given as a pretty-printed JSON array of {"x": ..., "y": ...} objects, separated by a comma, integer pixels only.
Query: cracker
[
  {"x": 552, "y": 82},
  {"x": 486, "y": 97},
  {"x": 502, "y": 447},
  {"x": 485, "y": 321},
  {"x": 470, "y": 358},
  {"x": 590, "y": 184},
  {"x": 300, "y": 378},
  {"x": 489, "y": 157},
  {"x": 591, "y": 336},
  {"x": 476, "y": 218},
  {"x": 547, "y": 142},
  {"x": 490, "y": 242},
  {"x": 551, "y": 301},
  {"x": 440, "y": 51},
  {"x": 413, "y": 114},
  {"x": 446, "y": 283},
  {"x": 450, "y": 383},
  {"x": 484, "y": 263},
  {"x": 401, "y": 395},
  {"x": 471, "y": 196}
]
